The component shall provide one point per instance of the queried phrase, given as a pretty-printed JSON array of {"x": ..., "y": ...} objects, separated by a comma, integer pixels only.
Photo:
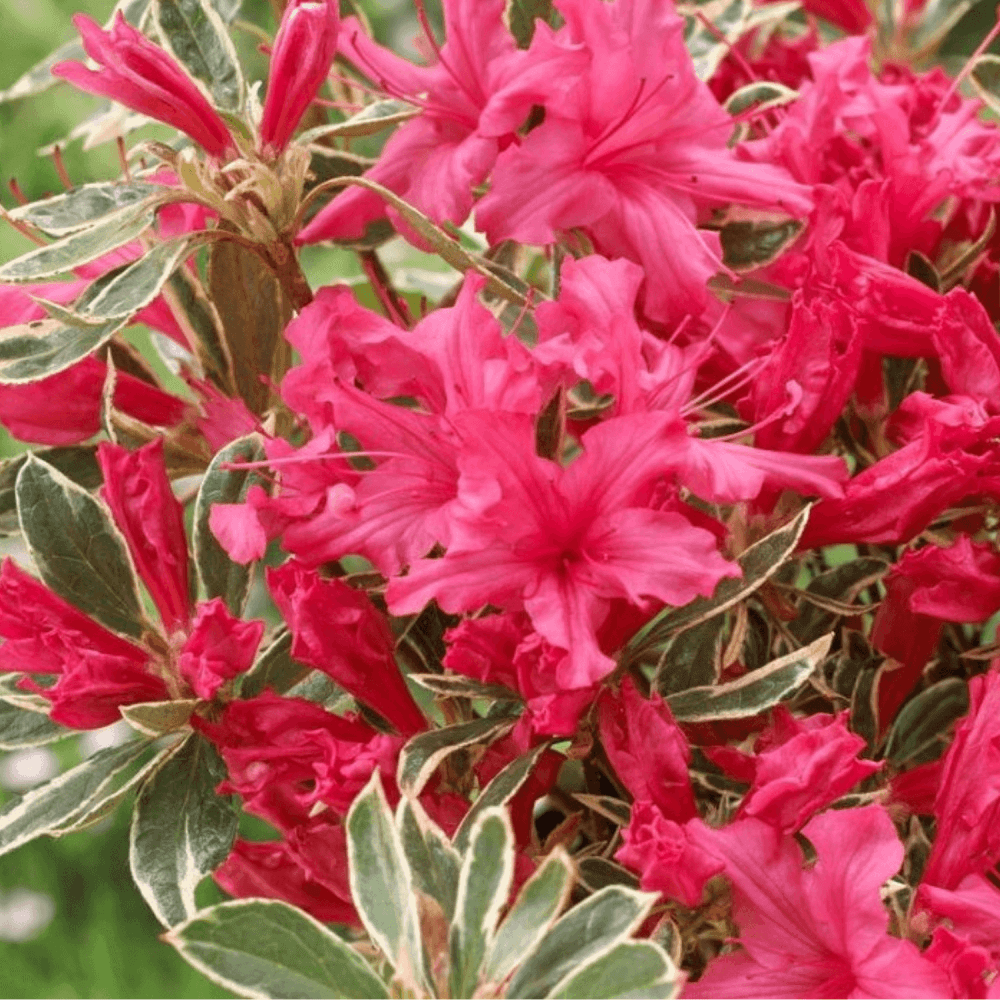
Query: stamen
[{"x": 57, "y": 159}]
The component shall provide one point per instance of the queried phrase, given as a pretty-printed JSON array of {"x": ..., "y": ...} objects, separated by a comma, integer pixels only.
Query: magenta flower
[
  {"x": 818, "y": 931},
  {"x": 218, "y": 648},
  {"x": 142, "y": 76},
  {"x": 304, "y": 49},
  {"x": 137, "y": 490},
  {"x": 633, "y": 145}
]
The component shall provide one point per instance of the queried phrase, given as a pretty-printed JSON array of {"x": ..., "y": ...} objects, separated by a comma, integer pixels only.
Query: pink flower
[
  {"x": 218, "y": 648},
  {"x": 968, "y": 799},
  {"x": 304, "y": 49},
  {"x": 478, "y": 89},
  {"x": 800, "y": 766},
  {"x": 632, "y": 146},
  {"x": 648, "y": 751},
  {"x": 670, "y": 858},
  {"x": 138, "y": 491},
  {"x": 818, "y": 931},
  {"x": 142, "y": 76},
  {"x": 562, "y": 542},
  {"x": 337, "y": 630},
  {"x": 97, "y": 671},
  {"x": 971, "y": 909}
]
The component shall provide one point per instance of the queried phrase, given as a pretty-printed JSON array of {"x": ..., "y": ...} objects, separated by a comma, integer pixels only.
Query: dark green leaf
[
  {"x": 498, "y": 792},
  {"x": 433, "y": 861},
  {"x": 604, "y": 805},
  {"x": 202, "y": 324},
  {"x": 265, "y": 948},
  {"x": 985, "y": 77},
  {"x": 76, "y": 209},
  {"x": 381, "y": 881},
  {"x": 588, "y": 930},
  {"x": 753, "y": 693},
  {"x": 420, "y": 757},
  {"x": 68, "y": 798},
  {"x": 749, "y": 245},
  {"x": 274, "y": 668},
  {"x": 460, "y": 686},
  {"x": 923, "y": 726},
  {"x": 78, "y": 462},
  {"x": 759, "y": 563},
  {"x": 194, "y": 33},
  {"x": 109, "y": 233},
  {"x": 692, "y": 658},
  {"x": 21, "y": 727},
  {"x": 43, "y": 347},
  {"x": 39, "y": 78},
  {"x": 535, "y": 910},
  {"x": 923, "y": 270},
  {"x": 597, "y": 872},
  {"x": 371, "y": 120},
  {"x": 78, "y": 550},
  {"x": 629, "y": 969},
  {"x": 181, "y": 830},
  {"x": 220, "y": 576},
  {"x": 521, "y": 15},
  {"x": 484, "y": 882},
  {"x": 760, "y": 95}
]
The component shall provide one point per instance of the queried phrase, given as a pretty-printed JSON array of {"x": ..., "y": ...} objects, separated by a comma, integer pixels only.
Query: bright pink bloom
[
  {"x": 562, "y": 542},
  {"x": 632, "y": 146},
  {"x": 337, "y": 630},
  {"x": 303, "y": 52},
  {"x": 308, "y": 868},
  {"x": 218, "y": 648},
  {"x": 648, "y": 751},
  {"x": 137, "y": 489},
  {"x": 669, "y": 857},
  {"x": 142, "y": 76},
  {"x": 817, "y": 931},
  {"x": 968, "y": 965},
  {"x": 971, "y": 909},
  {"x": 968, "y": 800},
  {"x": 97, "y": 671},
  {"x": 478, "y": 89},
  {"x": 285, "y": 755},
  {"x": 800, "y": 766}
]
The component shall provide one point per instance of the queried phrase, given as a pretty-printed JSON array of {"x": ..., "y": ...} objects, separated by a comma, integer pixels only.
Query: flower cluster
[{"x": 671, "y": 525}]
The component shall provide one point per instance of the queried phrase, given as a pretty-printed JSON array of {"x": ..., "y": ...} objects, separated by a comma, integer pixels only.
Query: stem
[{"x": 392, "y": 302}]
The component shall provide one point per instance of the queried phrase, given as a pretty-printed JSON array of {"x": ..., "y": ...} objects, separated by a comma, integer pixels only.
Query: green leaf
[
  {"x": 78, "y": 550},
  {"x": 181, "y": 830},
  {"x": 43, "y": 347},
  {"x": 521, "y": 15},
  {"x": 692, "y": 658},
  {"x": 498, "y": 792},
  {"x": 138, "y": 284},
  {"x": 460, "y": 686},
  {"x": 759, "y": 563},
  {"x": 588, "y": 930},
  {"x": 628, "y": 969},
  {"x": 597, "y": 872},
  {"x": 708, "y": 48},
  {"x": 535, "y": 910},
  {"x": 924, "y": 722},
  {"x": 155, "y": 718},
  {"x": 420, "y": 758},
  {"x": 71, "y": 796},
  {"x": 265, "y": 948},
  {"x": 273, "y": 668},
  {"x": 765, "y": 94},
  {"x": 219, "y": 575},
  {"x": 79, "y": 462},
  {"x": 484, "y": 882},
  {"x": 749, "y": 245},
  {"x": 193, "y": 32},
  {"x": 369, "y": 121},
  {"x": 82, "y": 247},
  {"x": 200, "y": 320},
  {"x": 753, "y": 693},
  {"x": 78, "y": 208},
  {"x": 381, "y": 881},
  {"x": 24, "y": 727},
  {"x": 434, "y": 863}
]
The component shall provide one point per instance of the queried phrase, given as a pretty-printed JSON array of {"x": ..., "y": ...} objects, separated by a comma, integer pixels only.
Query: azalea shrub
[{"x": 532, "y": 502}]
